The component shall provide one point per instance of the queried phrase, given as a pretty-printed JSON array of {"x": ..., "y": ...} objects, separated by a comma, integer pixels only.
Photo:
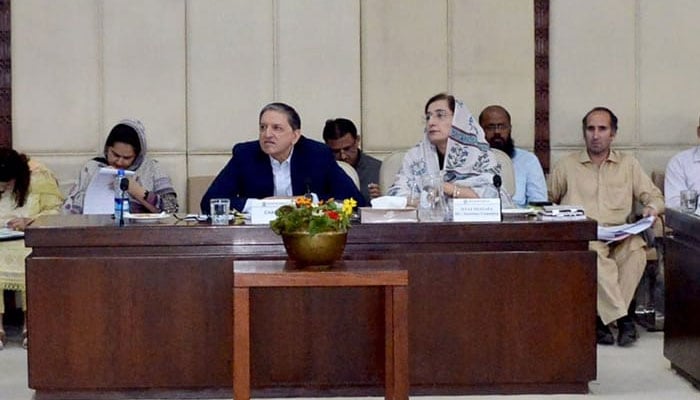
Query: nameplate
[
  {"x": 476, "y": 210},
  {"x": 265, "y": 212}
]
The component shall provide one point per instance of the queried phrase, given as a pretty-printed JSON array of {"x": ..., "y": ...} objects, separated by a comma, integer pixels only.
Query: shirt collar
[
  {"x": 584, "y": 158},
  {"x": 696, "y": 154},
  {"x": 287, "y": 160}
]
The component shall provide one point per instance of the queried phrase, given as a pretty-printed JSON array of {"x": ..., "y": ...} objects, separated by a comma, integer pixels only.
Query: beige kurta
[
  {"x": 608, "y": 193},
  {"x": 44, "y": 198}
]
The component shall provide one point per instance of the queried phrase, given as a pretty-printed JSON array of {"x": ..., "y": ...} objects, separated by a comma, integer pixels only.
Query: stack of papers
[
  {"x": 619, "y": 232},
  {"x": 518, "y": 213},
  {"x": 371, "y": 215},
  {"x": 562, "y": 213}
]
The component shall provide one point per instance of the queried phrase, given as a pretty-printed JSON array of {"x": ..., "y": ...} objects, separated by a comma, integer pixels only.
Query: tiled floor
[{"x": 639, "y": 372}]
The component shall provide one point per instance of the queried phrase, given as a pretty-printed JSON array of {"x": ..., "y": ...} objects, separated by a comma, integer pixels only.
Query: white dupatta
[{"x": 469, "y": 161}]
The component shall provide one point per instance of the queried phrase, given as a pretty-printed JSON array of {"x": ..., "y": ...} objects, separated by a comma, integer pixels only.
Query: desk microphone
[
  {"x": 497, "y": 181},
  {"x": 123, "y": 187},
  {"x": 308, "y": 194}
]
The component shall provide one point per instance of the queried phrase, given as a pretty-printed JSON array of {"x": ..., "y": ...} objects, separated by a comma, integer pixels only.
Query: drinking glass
[
  {"x": 218, "y": 210},
  {"x": 689, "y": 200},
  {"x": 413, "y": 199},
  {"x": 432, "y": 207}
]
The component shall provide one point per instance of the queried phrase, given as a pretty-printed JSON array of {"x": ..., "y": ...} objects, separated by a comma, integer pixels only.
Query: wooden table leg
[
  {"x": 389, "y": 364},
  {"x": 400, "y": 342},
  {"x": 241, "y": 344},
  {"x": 396, "y": 343}
]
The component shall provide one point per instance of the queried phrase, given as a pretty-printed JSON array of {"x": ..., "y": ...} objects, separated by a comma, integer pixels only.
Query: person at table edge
[
  {"x": 281, "y": 163},
  {"x": 607, "y": 182}
]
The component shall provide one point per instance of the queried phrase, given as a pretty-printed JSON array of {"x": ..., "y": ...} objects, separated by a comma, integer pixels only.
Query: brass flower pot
[{"x": 319, "y": 250}]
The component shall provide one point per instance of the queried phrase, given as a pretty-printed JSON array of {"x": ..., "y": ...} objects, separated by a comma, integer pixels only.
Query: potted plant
[{"x": 314, "y": 234}]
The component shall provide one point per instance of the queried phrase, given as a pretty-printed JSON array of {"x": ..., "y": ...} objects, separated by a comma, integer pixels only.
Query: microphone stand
[
  {"x": 308, "y": 194},
  {"x": 123, "y": 187},
  {"x": 497, "y": 181}
]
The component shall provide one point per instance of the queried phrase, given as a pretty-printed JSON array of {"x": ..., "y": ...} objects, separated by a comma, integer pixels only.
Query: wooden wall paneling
[
  {"x": 5, "y": 76},
  {"x": 541, "y": 144}
]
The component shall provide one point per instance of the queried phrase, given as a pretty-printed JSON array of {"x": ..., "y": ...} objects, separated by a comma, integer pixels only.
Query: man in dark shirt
[{"x": 340, "y": 135}]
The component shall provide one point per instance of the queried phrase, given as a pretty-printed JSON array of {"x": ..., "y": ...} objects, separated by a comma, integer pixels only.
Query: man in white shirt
[{"x": 682, "y": 173}]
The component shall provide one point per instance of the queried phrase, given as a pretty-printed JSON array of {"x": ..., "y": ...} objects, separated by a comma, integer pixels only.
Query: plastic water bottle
[{"x": 121, "y": 199}]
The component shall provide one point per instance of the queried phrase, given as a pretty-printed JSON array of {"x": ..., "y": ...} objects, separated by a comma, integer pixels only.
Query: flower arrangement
[{"x": 304, "y": 216}]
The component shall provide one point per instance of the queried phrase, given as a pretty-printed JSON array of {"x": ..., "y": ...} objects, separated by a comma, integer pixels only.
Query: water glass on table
[
  {"x": 689, "y": 200},
  {"x": 219, "y": 211},
  {"x": 432, "y": 206}
]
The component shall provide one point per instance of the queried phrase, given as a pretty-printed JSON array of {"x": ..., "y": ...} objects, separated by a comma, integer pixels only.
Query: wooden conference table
[
  {"x": 682, "y": 283},
  {"x": 145, "y": 310}
]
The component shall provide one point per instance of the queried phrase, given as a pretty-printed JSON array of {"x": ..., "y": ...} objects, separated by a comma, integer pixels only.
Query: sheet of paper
[
  {"x": 619, "y": 232},
  {"x": 99, "y": 195},
  {"x": 9, "y": 234}
]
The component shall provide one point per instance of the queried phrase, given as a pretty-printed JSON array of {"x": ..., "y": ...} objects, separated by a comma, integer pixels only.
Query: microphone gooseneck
[
  {"x": 497, "y": 182},
  {"x": 307, "y": 183}
]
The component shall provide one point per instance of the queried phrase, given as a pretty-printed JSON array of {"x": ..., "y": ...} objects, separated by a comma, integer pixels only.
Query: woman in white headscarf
[
  {"x": 150, "y": 188},
  {"x": 455, "y": 148}
]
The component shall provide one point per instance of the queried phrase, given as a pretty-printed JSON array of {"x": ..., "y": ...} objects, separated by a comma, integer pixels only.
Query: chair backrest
[
  {"x": 351, "y": 172},
  {"x": 65, "y": 186},
  {"x": 658, "y": 176},
  {"x": 390, "y": 167},
  {"x": 507, "y": 171},
  {"x": 196, "y": 187}
]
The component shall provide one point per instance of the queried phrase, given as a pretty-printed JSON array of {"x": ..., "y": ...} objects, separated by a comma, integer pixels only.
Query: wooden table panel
[
  {"x": 494, "y": 307},
  {"x": 682, "y": 291},
  {"x": 127, "y": 322}
]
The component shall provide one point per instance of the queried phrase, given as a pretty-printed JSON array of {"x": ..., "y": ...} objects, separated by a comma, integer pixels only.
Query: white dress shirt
[
  {"x": 682, "y": 173},
  {"x": 282, "y": 175}
]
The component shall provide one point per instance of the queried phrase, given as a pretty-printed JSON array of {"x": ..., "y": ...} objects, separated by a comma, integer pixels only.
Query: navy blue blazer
[{"x": 249, "y": 175}]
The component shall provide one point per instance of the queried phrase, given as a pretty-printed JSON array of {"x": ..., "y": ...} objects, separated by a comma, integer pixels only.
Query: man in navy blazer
[{"x": 281, "y": 163}]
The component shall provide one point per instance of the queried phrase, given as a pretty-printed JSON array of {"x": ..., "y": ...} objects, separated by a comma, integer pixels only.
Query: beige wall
[
  {"x": 639, "y": 58},
  {"x": 196, "y": 72}
]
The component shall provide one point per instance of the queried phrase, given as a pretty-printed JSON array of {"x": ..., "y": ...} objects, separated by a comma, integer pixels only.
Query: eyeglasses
[
  {"x": 441, "y": 115},
  {"x": 496, "y": 127}
]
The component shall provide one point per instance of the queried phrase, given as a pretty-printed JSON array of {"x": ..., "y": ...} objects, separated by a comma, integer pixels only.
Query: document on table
[
  {"x": 99, "y": 195},
  {"x": 9, "y": 234},
  {"x": 619, "y": 232},
  {"x": 562, "y": 213}
]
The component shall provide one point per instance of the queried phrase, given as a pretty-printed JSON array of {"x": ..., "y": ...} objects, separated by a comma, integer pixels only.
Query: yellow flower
[
  {"x": 302, "y": 201},
  {"x": 348, "y": 205}
]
